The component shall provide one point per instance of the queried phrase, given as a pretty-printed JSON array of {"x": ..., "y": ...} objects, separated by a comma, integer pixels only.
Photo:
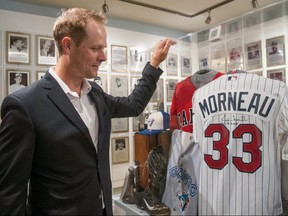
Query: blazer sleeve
[
  {"x": 135, "y": 103},
  {"x": 17, "y": 144}
]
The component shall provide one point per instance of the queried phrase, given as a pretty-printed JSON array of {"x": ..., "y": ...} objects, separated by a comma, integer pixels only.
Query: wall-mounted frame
[
  {"x": 119, "y": 85},
  {"x": 275, "y": 50},
  {"x": 235, "y": 55},
  {"x": 171, "y": 64},
  {"x": 46, "y": 50},
  {"x": 101, "y": 80},
  {"x": 16, "y": 80},
  {"x": 170, "y": 88},
  {"x": 120, "y": 150},
  {"x": 186, "y": 68},
  {"x": 120, "y": 125},
  {"x": 215, "y": 33},
  {"x": 137, "y": 59},
  {"x": 278, "y": 74},
  {"x": 119, "y": 58},
  {"x": 251, "y": 20},
  {"x": 40, "y": 74},
  {"x": 253, "y": 55},
  {"x": 158, "y": 95},
  {"x": 218, "y": 60},
  {"x": 18, "y": 48}
]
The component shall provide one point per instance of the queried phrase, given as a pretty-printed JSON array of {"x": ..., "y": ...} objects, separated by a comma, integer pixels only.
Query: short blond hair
[{"x": 72, "y": 23}]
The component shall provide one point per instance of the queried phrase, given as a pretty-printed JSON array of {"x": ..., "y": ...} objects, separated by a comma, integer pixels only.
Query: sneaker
[{"x": 148, "y": 202}]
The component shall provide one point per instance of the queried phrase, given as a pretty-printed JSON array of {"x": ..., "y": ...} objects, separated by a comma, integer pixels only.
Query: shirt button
[{"x": 99, "y": 196}]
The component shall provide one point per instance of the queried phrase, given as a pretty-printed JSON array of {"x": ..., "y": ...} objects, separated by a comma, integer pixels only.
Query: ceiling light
[
  {"x": 105, "y": 7},
  {"x": 254, "y": 3},
  {"x": 208, "y": 19}
]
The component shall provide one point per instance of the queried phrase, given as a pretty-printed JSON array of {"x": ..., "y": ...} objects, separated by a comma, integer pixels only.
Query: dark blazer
[{"x": 42, "y": 138}]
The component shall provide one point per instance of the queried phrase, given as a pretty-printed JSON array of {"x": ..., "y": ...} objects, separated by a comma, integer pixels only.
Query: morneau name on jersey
[{"x": 243, "y": 101}]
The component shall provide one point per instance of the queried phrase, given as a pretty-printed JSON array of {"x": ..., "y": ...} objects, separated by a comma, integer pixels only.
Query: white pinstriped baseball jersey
[
  {"x": 241, "y": 124},
  {"x": 181, "y": 189}
]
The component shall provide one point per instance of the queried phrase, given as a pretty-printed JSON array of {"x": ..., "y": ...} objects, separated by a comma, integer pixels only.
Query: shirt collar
[{"x": 85, "y": 88}]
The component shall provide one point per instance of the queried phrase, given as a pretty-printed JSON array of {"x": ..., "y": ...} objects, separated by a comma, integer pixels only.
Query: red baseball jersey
[{"x": 181, "y": 107}]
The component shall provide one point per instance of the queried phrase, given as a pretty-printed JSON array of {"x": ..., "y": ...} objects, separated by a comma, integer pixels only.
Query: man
[
  {"x": 241, "y": 125},
  {"x": 17, "y": 44},
  {"x": 17, "y": 85},
  {"x": 274, "y": 48},
  {"x": 56, "y": 132},
  {"x": 46, "y": 48}
]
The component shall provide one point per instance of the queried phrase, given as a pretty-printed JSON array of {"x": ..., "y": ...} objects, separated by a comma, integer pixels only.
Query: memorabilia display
[
  {"x": 119, "y": 85},
  {"x": 218, "y": 60},
  {"x": 46, "y": 50},
  {"x": 235, "y": 56},
  {"x": 277, "y": 74},
  {"x": 16, "y": 79},
  {"x": 101, "y": 80},
  {"x": 215, "y": 33},
  {"x": 17, "y": 48},
  {"x": 119, "y": 59},
  {"x": 275, "y": 49},
  {"x": 170, "y": 88},
  {"x": 137, "y": 59},
  {"x": 253, "y": 55},
  {"x": 172, "y": 64},
  {"x": 158, "y": 94},
  {"x": 186, "y": 67},
  {"x": 120, "y": 150}
]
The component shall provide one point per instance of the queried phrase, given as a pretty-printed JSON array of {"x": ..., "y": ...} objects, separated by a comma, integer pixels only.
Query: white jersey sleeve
[
  {"x": 241, "y": 124},
  {"x": 181, "y": 190}
]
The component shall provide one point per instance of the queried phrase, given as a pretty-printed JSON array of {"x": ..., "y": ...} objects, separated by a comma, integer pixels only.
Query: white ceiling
[{"x": 131, "y": 12}]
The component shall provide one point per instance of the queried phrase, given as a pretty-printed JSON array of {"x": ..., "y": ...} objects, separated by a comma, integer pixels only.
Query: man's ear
[{"x": 66, "y": 44}]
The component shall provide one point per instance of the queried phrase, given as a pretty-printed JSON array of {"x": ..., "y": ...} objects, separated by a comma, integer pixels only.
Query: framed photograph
[
  {"x": 275, "y": 50},
  {"x": 186, "y": 68},
  {"x": 253, "y": 55},
  {"x": 215, "y": 33},
  {"x": 158, "y": 95},
  {"x": 40, "y": 74},
  {"x": 235, "y": 58},
  {"x": 120, "y": 150},
  {"x": 218, "y": 59},
  {"x": 204, "y": 58},
  {"x": 172, "y": 64},
  {"x": 101, "y": 80},
  {"x": 120, "y": 125},
  {"x": 170, "y": 87},
  {"x": 277, "y": 74},
  {"x": 119, "y": 58},
  {"x": 16, "y": 80},
  {"x": 17, "y": 48},
  {"x": 119, "y": 85},
  {"x": 46, "y": 50},
  {"x": 137, "y": 59}
]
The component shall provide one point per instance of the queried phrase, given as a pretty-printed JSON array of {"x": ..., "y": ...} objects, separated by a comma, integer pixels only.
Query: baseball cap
[
  {"x": 157, "y": 123},
  {"x": 18, "y": 75}
]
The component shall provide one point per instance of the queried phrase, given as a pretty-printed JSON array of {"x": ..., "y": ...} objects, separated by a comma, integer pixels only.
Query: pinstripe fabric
[{"x": 240, "y": 123}]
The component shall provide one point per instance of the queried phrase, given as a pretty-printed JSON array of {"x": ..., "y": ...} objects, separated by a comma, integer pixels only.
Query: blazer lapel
[
  {"x": 61, "y": 100},
  {"x": 95, "y": 96}
]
